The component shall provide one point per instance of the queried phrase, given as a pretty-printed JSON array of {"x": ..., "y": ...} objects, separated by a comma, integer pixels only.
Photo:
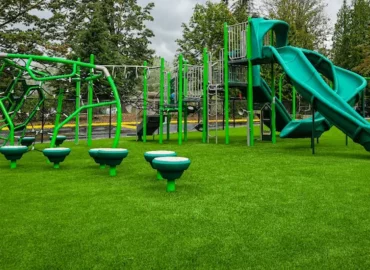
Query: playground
[{"x": 201, "y": 167}]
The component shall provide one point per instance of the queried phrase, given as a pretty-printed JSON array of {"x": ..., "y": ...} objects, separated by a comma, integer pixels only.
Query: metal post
[
  {"x": 250, "y": 83},
  {"x": 90, "y": 101},
  {"x": 161, "y": 100},
  {"x": 273, "y": 94},
  {"x": 42, "y": 122},
  {"x": 57, "y": 118},
  {"x": 179, "y": 98},
  {"x": 234, "y": 112},
  {"x": 78, "y": 101},
  {"x": 110, "y": 121},
  {"x": 281, "y": 86},
  {"x": 145, "y": 101},
  {"x": 294, "y": 103},
  {"x": 226, "y": 81},
  {"x": 168, "y": 102},
  {"x": 363, "y": 103},
  {"x": 205, "y": 104}
]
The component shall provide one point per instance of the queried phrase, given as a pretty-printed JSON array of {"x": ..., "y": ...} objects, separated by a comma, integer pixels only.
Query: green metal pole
[
  {"x": 168, "y": 102},
  {"x": 57, "y": 118},
  {"x": 78, "y": 102},
  {"x": 179, "y": 98},
  {"x": 250, "y": 83},
  {"x": 226, "y": 82},
  {"x": 10, "y": 123},
  {"x": 117, "y": 102},
  {"x": 185, "y": 105},
  {"x": 145, "y": 104},
  {"x": 273, "y": 94},
  {"x": 161, "y": 100},
  {"x": 294, "y": 103},
  {"x": 90, "y": 101},
  {"x": 281, "y": 86},
  {"x": 205, "y": 88}
]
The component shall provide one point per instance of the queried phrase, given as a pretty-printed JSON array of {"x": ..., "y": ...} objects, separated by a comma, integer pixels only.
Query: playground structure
[
  {"x": 32, "y": 73},
  {"x": 200, "y": 89}
]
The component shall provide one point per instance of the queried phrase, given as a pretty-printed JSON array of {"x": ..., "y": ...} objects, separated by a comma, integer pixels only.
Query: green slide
[
  {"x": 333, "y": 105},
  {"x": 304, "y": 68}
]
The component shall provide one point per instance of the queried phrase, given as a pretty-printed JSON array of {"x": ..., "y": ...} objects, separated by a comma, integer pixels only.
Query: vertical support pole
[
  {"x": 234, "y": 123},
  {"x": 161, "y": 100},
  {"x": 10, "y": 123},
  {"x": 273, "y": 94},
  {"x": 168, "y": 102},
  {"x": 78, "y": 102},
  {"x": 281, "y": 86},
  {"x": 185, "y": 91},
  {"x": 145, "y": 101},
  {"x": 57, "y": 118},
  {"x": 313, "y": 127},
  {"x": 118, "y": 111},
  {"x": 179, "y": 98},
  {"x": 226, "y": 81},
  {"x": 250, "y": 83},
  {"x": 205, "y": 88},
  {"x": 110, "y": 121},
  {"x": 90, "y": 101},
  {"x": 42, "y": 121},
  {"x": 294, "y": 103}
]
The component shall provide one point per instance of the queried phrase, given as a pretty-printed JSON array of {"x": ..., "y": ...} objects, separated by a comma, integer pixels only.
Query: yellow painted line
[{"x": 129, "y": 125}]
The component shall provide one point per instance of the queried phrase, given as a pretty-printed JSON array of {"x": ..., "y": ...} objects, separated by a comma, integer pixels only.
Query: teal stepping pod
[
  {"x": 94, "y": 154},
  {"x": 59, "y": 140},
  {"x": 13, "y": 153},
  {"x": 56, "y": 155},
  {"x": 171, "y": 168},
  {"x": 27, "y": 141},
  {"x": 112, "y": 157},
  {"x": 150, "y": 155}
]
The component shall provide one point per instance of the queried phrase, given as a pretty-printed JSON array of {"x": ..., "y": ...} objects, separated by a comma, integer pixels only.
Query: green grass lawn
[{"x": 270, "y": 206}]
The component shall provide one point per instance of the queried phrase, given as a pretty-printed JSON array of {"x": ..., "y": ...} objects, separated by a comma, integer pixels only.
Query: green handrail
[{"x": 49, "y": 78}]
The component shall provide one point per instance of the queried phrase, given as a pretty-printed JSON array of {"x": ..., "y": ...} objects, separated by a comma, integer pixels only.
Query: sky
[{"x": 170, "y": 14}]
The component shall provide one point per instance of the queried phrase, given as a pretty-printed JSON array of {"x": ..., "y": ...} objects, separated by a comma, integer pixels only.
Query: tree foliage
[
  {"x": 204, "y": 30},
  {"x": 309, "y": 25},
  {"x": 19, "y": 31},
  {"x": 351, "y": 37}
]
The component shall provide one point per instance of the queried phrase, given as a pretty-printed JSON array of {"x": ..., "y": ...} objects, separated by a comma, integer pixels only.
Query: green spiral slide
[{"x": 304, "y": 69}]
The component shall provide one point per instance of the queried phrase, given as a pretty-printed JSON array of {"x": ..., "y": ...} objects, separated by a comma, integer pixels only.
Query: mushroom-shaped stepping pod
[
  {"x": 94, "y": 154},
  {"x": 112, "y": 157},
  {"x": 150, "y": 155},
  {"x": 56, "y": 155},
  {"x": 13, "y": 153},
  {"x": 171, "y": 168},
  {"x": 27, "y": 141},
  {"x": 59, "y": 140}
]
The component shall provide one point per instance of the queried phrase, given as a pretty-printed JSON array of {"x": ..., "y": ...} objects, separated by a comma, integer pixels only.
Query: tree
[
  {"x": 113, "y": 30},
  {"x": 205, "y": 30},
  {"x": 359, "y": 31},
  {"x": 307, "y": 19},
  {"x": 341, "y": 37},
  {"x": 19, "y": 31}
]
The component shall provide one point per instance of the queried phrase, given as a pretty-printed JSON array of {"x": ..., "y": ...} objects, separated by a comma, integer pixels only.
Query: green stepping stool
[
  {"x": 59, "y": 140},
  {"x": 94, "y": 154},
  {"x": 27, "y": 141},
  {"x": 56, "y": 155},
  {"x": 13, "y": 153},
  {"x": 171, "y": 168},
  {"x": 150, "y": 155},
  {"x": 112, "y": 157}
]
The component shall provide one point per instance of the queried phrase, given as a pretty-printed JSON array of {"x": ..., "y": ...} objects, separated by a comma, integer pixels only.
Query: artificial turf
[{"x": 269, "y": 206}]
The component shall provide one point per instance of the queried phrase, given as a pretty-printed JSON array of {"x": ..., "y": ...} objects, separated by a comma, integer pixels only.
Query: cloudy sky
[{"x": 169, "y": 14}]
